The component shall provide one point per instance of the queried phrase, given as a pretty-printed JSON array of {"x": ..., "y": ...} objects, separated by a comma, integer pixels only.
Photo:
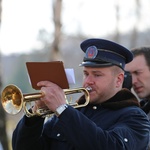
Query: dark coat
[{"x": 113, "y": 125}]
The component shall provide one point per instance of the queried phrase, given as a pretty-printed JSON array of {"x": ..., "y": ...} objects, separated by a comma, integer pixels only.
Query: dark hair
[{"x": 145, "y": 51}]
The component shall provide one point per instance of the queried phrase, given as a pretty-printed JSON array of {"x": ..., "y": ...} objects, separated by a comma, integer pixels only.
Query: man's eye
[
  {"x": 97, "y": 75},
  {"x": 137, "y": 73},
  {"x": 85, "y": 74}
]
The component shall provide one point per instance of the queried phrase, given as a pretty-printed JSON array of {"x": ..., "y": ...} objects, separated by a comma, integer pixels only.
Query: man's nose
[
  {"x": 134, "y": 79},
  {"x": 89, "y": 79}
]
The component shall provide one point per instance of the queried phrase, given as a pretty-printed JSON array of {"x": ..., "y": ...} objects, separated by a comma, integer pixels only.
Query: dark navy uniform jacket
[{"x": 118, "y": 124}]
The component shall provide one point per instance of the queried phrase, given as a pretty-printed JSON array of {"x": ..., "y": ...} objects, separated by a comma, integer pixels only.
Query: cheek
[
  {"x": 84, "y": 83},
  {"x": 104, "y": 84},
  {"x": 146, "y": 81},
  {"x": 112, "y": 84},
  {"x": 145, "y": 78}
]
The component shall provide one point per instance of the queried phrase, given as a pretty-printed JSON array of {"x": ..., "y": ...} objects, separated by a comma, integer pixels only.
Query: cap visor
[{"x": 95, "y": 64}]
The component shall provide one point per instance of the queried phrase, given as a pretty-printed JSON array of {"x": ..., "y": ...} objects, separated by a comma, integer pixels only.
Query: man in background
[{"x": 140, "y": 71}]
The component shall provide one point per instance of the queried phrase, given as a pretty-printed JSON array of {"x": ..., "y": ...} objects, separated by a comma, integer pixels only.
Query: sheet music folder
[{"x": 47, "y": 71}]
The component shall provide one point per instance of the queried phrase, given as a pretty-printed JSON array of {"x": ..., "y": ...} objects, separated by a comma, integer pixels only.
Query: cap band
[
  {"x": 102, "y": 56},
  {"x": 111, "y": 52}
]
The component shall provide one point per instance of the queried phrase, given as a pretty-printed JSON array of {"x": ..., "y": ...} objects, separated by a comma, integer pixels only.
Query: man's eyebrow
[
  {"x": 96, "y": 71},
  {"x": 137, "y": 70},
  {"x": 93, "y": 71}
]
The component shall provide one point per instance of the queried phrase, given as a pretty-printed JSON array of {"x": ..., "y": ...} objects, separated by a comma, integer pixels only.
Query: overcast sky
[{"x": 22, "y": 19}]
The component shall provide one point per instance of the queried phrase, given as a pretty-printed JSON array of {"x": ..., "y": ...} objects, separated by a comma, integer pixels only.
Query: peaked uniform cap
[{"x": 102, "y": 53}]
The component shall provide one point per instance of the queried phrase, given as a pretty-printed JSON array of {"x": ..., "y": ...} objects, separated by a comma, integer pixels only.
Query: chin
[
  {"x": 141, "y": 95},
  {"x": 93, "y": 100}
]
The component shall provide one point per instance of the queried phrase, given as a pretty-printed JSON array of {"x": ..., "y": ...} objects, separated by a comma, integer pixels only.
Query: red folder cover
[{"x": 47, "y": 71}]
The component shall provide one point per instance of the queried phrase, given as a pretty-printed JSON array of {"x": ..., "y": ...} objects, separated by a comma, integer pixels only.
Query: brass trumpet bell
[{"x": 13, "y": 100}]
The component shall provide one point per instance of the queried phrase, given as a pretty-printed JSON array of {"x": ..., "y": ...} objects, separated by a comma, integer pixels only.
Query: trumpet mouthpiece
[{"x": 89, "y": 88}]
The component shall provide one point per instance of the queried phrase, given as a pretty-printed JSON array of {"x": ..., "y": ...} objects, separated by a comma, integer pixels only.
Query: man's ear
[{"x": 120, "y": 79}]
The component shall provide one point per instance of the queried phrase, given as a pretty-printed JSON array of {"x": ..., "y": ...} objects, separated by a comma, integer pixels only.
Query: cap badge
[{"x": 91, "y": 52}]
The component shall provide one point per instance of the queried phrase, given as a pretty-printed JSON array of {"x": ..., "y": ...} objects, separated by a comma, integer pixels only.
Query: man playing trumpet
[{"x": 112, "y": 120}]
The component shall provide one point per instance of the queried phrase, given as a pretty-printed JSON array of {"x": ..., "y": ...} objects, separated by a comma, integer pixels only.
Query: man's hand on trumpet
[{"x": 53, "y": 95}]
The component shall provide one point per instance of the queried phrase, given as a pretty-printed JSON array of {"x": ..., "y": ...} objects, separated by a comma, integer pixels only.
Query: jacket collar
[{"x": 123, "y": 98}]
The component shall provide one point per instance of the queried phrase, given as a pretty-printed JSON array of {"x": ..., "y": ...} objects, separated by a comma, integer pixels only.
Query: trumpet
[{"x": 13, "y": 100}]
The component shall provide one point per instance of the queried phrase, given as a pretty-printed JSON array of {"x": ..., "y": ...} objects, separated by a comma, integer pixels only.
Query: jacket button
[
  {"x": 125, "y": 139},
  {"x": 94, "y": 107}
]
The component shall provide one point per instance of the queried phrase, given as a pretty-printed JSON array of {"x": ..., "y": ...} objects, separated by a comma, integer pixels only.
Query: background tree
[
  {"x": 134, "y": 34},
  {"x": 55, "y": 52},
  {"x": 117, "y": 10},
  {"x": 3, "y": 134}
]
